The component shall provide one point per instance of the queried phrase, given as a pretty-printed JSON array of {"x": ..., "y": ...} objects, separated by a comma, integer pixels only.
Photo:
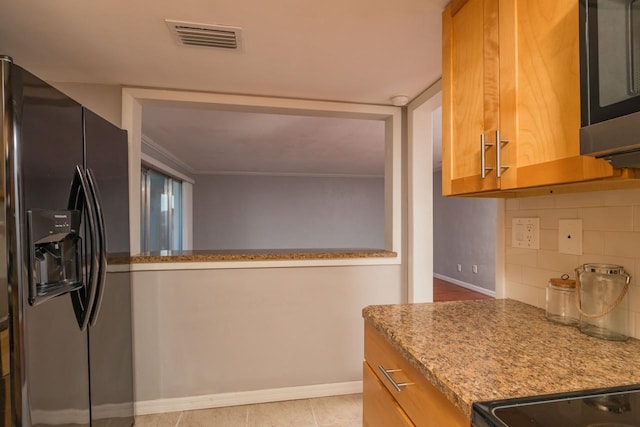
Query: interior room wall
[
  {"x": 213, "y": 332},
  {"x": 197, "y": 331},
  {"x": 611, "y": 232},
  {"x": 104, "y": 100},
  {"x": 275, "y": 212},
  {"x": 464, "y": 232}
]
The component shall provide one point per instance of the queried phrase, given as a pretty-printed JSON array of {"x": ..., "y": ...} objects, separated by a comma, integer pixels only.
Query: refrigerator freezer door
[
  {"x": 54, "y": 347},
  {"x": 110, "y": 336}
]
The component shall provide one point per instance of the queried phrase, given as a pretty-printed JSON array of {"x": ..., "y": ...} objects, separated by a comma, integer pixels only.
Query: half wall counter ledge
[{"x": 233, "y": 255}]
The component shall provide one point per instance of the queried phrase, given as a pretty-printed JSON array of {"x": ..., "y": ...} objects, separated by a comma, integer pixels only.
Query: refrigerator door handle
[
  {"x": 102, "y": 247},
  {"x": 81, "y": 199}
]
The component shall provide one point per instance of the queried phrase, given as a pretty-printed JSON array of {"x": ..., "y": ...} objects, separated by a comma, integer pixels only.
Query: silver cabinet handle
[
  {"x": 387, "y": 375},
  {"x": 483, "y": 158},
  {"x": 499, "y": 144}
]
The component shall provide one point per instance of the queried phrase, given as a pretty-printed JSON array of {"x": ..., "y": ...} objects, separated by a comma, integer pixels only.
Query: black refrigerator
[{"x": 65, "y": 293}]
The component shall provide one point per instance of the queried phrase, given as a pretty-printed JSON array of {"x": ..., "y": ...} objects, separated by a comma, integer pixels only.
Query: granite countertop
[
  {"x": 259, "y": 255},
  {"x": 497, "y": 349}
]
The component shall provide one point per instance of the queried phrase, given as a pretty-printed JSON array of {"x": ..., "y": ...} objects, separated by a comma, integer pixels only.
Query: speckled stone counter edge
[
  {"x": 500, "y": 349},
  {"x": 259, "y": 255}
]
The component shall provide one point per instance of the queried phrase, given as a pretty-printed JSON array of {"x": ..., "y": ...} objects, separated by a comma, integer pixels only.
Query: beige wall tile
[
  {"x": 634, "y": 297},
  {"x": 549, "y": 240},
  {"x": 622, "y": 197},
  {"x": 513, "y": 272},
  {"x": 525, "y": 293},
  {"x": 555, "y": 261},
  {"x": 635, "y": 332},
  {"x": 539, "y": 278},
  {"x": 549, "y": 217},
  {"x": 520, "y": 256},
  {"x": 512, "y": 204},
  {"x": 636, "y": 218},
  {"x": 575, "y": 200},
  {"x": 611, "y": 234},
  {"x": 632, "y": 272},
  {"x": 622, "y": 244},
  {"x": 522, "y": 213},
  {"x": 593, "y": 242},
  {"x": 618, "y": 218},
  {"x": 540, "y": 202}
]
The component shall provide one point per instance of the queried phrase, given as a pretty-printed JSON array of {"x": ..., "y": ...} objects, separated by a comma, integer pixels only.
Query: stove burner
[
  {"x": 610, "y": 425},
  {"x": 612, "y": 407},
  {"x": 616, "y": 403}
]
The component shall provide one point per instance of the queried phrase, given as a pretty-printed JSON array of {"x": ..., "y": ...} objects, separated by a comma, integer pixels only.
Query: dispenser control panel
[{"x": 54, "y": 253}]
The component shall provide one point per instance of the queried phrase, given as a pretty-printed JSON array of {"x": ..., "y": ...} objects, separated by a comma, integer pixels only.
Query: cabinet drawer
[
  {"x": 378, "y": 406},
  {"x": 423, "y": 403}
]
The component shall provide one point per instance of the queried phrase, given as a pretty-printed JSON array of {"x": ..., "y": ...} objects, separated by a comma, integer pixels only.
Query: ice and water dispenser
[{"x": 54, "y": 253}]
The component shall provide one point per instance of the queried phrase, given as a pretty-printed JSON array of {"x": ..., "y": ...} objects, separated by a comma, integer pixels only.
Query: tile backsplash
[{"x": 610, "y": 234}]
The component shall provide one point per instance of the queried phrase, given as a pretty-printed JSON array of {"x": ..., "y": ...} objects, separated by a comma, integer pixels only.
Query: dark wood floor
[{"x": 446, "y": 291}]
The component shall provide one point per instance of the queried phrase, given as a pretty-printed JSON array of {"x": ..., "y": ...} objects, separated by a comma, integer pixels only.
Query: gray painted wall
[
  {"x": 464, "y": 232},
  {"x": 104, "y": 100},
  {"x": 276, "y": 212},
  {"x": 202, "y": 332}
]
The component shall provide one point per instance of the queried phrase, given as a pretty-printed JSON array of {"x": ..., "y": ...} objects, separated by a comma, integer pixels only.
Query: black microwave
[{"x": 610, "y": 80}]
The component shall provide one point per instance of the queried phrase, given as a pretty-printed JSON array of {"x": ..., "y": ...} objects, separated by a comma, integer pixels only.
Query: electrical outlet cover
[{"x": 525, "y": 233}]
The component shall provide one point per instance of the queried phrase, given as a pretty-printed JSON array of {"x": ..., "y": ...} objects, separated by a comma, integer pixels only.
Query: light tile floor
[{"x": 333, "y": 411}]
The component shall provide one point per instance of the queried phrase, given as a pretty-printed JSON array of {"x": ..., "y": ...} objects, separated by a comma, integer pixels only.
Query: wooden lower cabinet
[
  {"x": 417, "y": 403},
  {"x": 378, "y": 406}
]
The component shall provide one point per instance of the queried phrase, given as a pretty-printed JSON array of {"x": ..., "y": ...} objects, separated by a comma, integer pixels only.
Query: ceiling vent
[{"x": 204, "y": 35}]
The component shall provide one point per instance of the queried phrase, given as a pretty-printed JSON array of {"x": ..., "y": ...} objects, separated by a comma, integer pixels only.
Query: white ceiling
[
  {"x": 362, "y": 51},
  {"x": 244, "y": 142}
]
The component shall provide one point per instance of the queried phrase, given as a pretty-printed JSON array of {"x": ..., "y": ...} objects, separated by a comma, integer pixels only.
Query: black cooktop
[{"x": 611, "y": 407}]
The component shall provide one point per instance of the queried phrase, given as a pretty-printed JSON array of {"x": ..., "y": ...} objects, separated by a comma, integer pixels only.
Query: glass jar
[
  {"x": 603, "y": 301},
  {"x": 561, "y": 301}
]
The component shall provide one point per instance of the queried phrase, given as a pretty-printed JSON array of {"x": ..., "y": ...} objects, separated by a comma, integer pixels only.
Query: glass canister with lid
[
  {"x": 603, "y": 300},
  {"x": 561, "y": 301}
]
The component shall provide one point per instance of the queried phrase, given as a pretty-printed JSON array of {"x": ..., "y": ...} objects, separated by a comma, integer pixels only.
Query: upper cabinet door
[
  {"x": 470, "y": 96},
  {"x": 511, "y": 79}
]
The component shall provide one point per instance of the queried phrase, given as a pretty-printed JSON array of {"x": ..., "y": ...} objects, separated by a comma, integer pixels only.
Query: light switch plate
[
  {"x": 525, "y": 233},
  {"x": 570, "y": 236}
]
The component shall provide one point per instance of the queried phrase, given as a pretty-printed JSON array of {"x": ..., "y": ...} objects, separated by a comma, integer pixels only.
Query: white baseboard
[
  {"x": 469, "y": 286},
  {"x": 190, "y": 403}
]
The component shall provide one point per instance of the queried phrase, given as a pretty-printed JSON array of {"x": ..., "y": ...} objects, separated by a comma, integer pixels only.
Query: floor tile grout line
[
  {"x": 313, "y": 413},
  {"x": 179, "y": 418}
]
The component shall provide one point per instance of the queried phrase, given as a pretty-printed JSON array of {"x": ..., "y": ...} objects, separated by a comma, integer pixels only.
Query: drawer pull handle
[{"x": 387, "y": 375}]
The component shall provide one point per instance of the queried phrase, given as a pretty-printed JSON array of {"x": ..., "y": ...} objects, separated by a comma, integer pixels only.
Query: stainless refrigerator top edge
[{"x": 65, "y": 320}]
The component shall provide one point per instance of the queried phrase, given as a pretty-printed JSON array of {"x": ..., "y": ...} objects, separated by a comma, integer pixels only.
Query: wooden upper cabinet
[
  {"x": 470, "y": 95},
  {"x": 512, "y": 67}
]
